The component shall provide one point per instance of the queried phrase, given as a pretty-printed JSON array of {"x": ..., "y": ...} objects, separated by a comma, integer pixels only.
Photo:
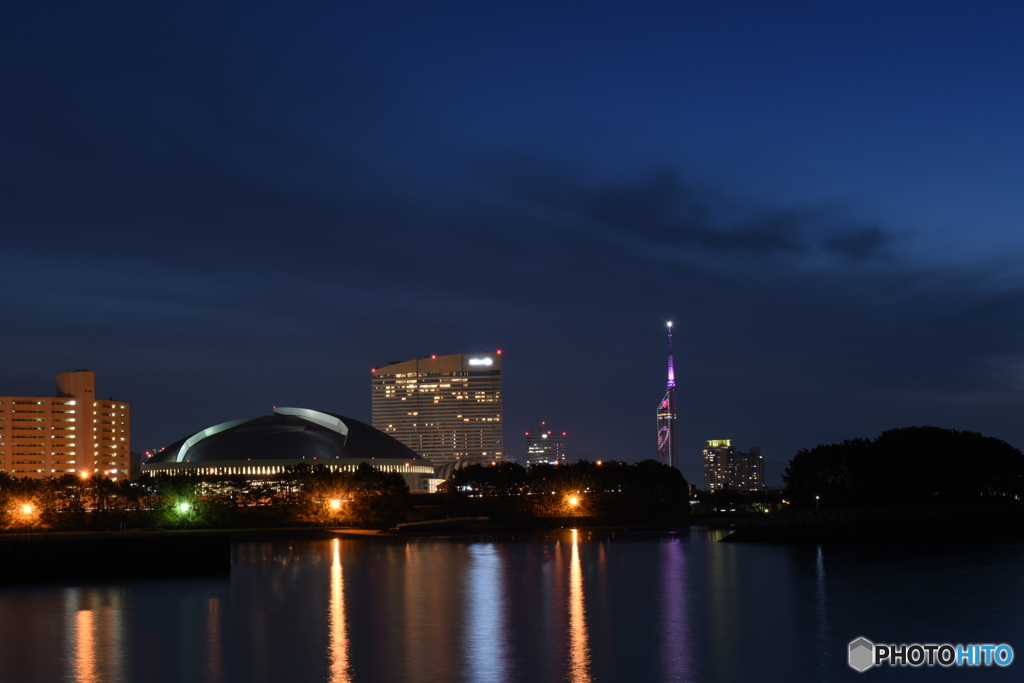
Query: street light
[{"x": 817, "y": 502}]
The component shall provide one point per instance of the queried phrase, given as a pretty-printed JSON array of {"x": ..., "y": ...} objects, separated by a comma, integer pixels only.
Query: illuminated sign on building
[{"x": 481, "y": 361}]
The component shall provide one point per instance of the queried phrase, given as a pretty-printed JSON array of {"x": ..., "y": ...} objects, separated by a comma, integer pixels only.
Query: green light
[
  {"x": 184, "y": 507},
  {"x": 717, "y": 443}
]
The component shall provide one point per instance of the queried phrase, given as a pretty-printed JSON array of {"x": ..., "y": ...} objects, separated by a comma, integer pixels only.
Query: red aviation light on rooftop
[
  {"x": 499, "y": 352},
  {"x": 433, "y": 357}
]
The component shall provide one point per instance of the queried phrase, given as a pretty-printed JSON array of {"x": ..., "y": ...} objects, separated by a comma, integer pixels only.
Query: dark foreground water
[{"x": 565, "y": 607}]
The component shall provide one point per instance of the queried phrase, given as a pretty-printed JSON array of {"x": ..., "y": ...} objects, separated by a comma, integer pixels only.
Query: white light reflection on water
[
  {"x": 338, "y": 631},
  {"x": 487, "y": 659},
  {"x": 579, "y": 648},
  {"x": 214, "y": 642},
  {"x": 676, "y": 644},
  {"x": 820, "y": 603},
  {"x": 726, "y": 618}
]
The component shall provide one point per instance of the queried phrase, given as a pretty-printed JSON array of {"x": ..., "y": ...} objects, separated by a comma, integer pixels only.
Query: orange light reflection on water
[
  {"x": 579, "y": 649},
  {"x": 338, "y": 632},
  {"x": 85, "y": 647}
]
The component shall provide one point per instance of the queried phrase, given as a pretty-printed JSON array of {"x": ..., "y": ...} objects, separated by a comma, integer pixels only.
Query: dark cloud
[
  {"x": 863, "y": 244},
  {"x": 666, "y": 210},
  {"x": 217, "y": 223}
]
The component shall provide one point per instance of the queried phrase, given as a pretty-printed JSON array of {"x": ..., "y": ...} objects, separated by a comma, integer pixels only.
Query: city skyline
[{"x": 220, "y": 209}]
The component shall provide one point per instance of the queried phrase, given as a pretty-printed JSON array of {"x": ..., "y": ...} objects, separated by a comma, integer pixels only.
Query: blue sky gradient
[{"x": 220, "y": 208}]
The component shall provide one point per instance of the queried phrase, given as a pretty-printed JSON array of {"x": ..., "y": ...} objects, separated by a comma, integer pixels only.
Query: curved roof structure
[
  {"x": 444, "y": 470},
  {"x": 289, "y": 434}
]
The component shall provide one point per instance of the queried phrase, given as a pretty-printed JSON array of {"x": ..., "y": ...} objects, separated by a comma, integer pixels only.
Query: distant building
[
  {"x": 725, "y": 468},
  {"x": 445, "y": 408},
  {"x": 667, "y": 445},
  {"x": 261, "y": 447},
  {"x": 545, "y": 446},
  {"x": 70, "y": 433}
]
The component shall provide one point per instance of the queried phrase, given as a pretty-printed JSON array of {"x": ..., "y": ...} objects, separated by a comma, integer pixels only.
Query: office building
[
  {"x": 545, "y": 446},
  {"x": 725, "y": 468},
  {"x": 72, "y": 432},
  {"x": 667, "y": 445},
  {"x": 445, "y": 408}
]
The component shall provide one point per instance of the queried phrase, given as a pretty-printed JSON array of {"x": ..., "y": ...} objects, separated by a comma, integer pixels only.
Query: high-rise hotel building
[
  {"x": 445, "y": 408},
  {"x": 72, "y": 432}
]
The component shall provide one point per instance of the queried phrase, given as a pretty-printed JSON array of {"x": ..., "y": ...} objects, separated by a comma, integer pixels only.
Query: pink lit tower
[{"x": 667, "y": 415}]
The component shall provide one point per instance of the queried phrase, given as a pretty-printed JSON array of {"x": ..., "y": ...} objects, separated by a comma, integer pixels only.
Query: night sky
[{"x": 224, "y": 207}]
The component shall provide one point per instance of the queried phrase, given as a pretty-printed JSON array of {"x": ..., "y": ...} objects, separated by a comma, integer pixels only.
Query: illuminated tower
[{"x": 667, "y": 415}]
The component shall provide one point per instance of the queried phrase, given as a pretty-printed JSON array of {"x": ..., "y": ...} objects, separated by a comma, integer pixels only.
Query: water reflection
[
  {"x": 726, "y": 610},
  {"x": 654, "y": 610},
  {"x": 338, "y": 648},
  {"x": 820, "y": 601},
  {"x": 675, "y": 648},
  {"x": 485, "y": 633},
  {"x": 85, "y": 647},
  {"x": 579, "y": 649},
  {"x": 214, "y": 642},
  {"x": 97, "y": 636}
]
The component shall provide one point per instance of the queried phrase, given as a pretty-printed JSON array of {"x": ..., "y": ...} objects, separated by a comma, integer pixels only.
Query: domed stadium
[{"x": 263, "y": 446}]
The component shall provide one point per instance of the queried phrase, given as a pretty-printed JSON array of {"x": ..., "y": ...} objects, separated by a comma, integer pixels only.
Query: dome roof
[{"x": 288, "y": 434}]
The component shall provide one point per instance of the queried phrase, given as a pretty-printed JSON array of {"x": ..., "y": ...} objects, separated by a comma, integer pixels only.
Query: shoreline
[
  {"x": 99, "y": 556},
  {"x": 887, "y": 524},
  {"x": 40, "y": 556}
]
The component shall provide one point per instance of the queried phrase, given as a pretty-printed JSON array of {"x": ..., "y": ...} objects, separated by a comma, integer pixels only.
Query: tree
[{"x": 907, "y": 465}]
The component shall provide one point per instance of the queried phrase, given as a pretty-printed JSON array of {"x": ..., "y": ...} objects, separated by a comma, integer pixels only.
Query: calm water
[{"x": 565, "y": 607}]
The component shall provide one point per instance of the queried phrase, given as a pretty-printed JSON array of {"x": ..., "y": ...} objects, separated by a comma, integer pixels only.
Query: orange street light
[
  {"x": 334, "y": 503},
  {"x": 27, "y": 509}
]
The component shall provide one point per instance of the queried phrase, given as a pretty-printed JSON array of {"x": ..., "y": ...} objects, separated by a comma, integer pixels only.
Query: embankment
[
  {"x": 886, "y": 524},
  {"x": 99, "y": 557}
]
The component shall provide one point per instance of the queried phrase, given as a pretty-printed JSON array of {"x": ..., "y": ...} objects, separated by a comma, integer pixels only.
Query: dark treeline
[
  {"x": 300, "y": 495},
  {"x": 641, "y": 492},
  {"x": 913, "y": 465},
  {"x": 608, "y": 489}
]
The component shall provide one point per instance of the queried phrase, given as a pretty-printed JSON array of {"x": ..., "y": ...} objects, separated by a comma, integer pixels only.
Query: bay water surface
[{"x": 564, "y": 606}]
